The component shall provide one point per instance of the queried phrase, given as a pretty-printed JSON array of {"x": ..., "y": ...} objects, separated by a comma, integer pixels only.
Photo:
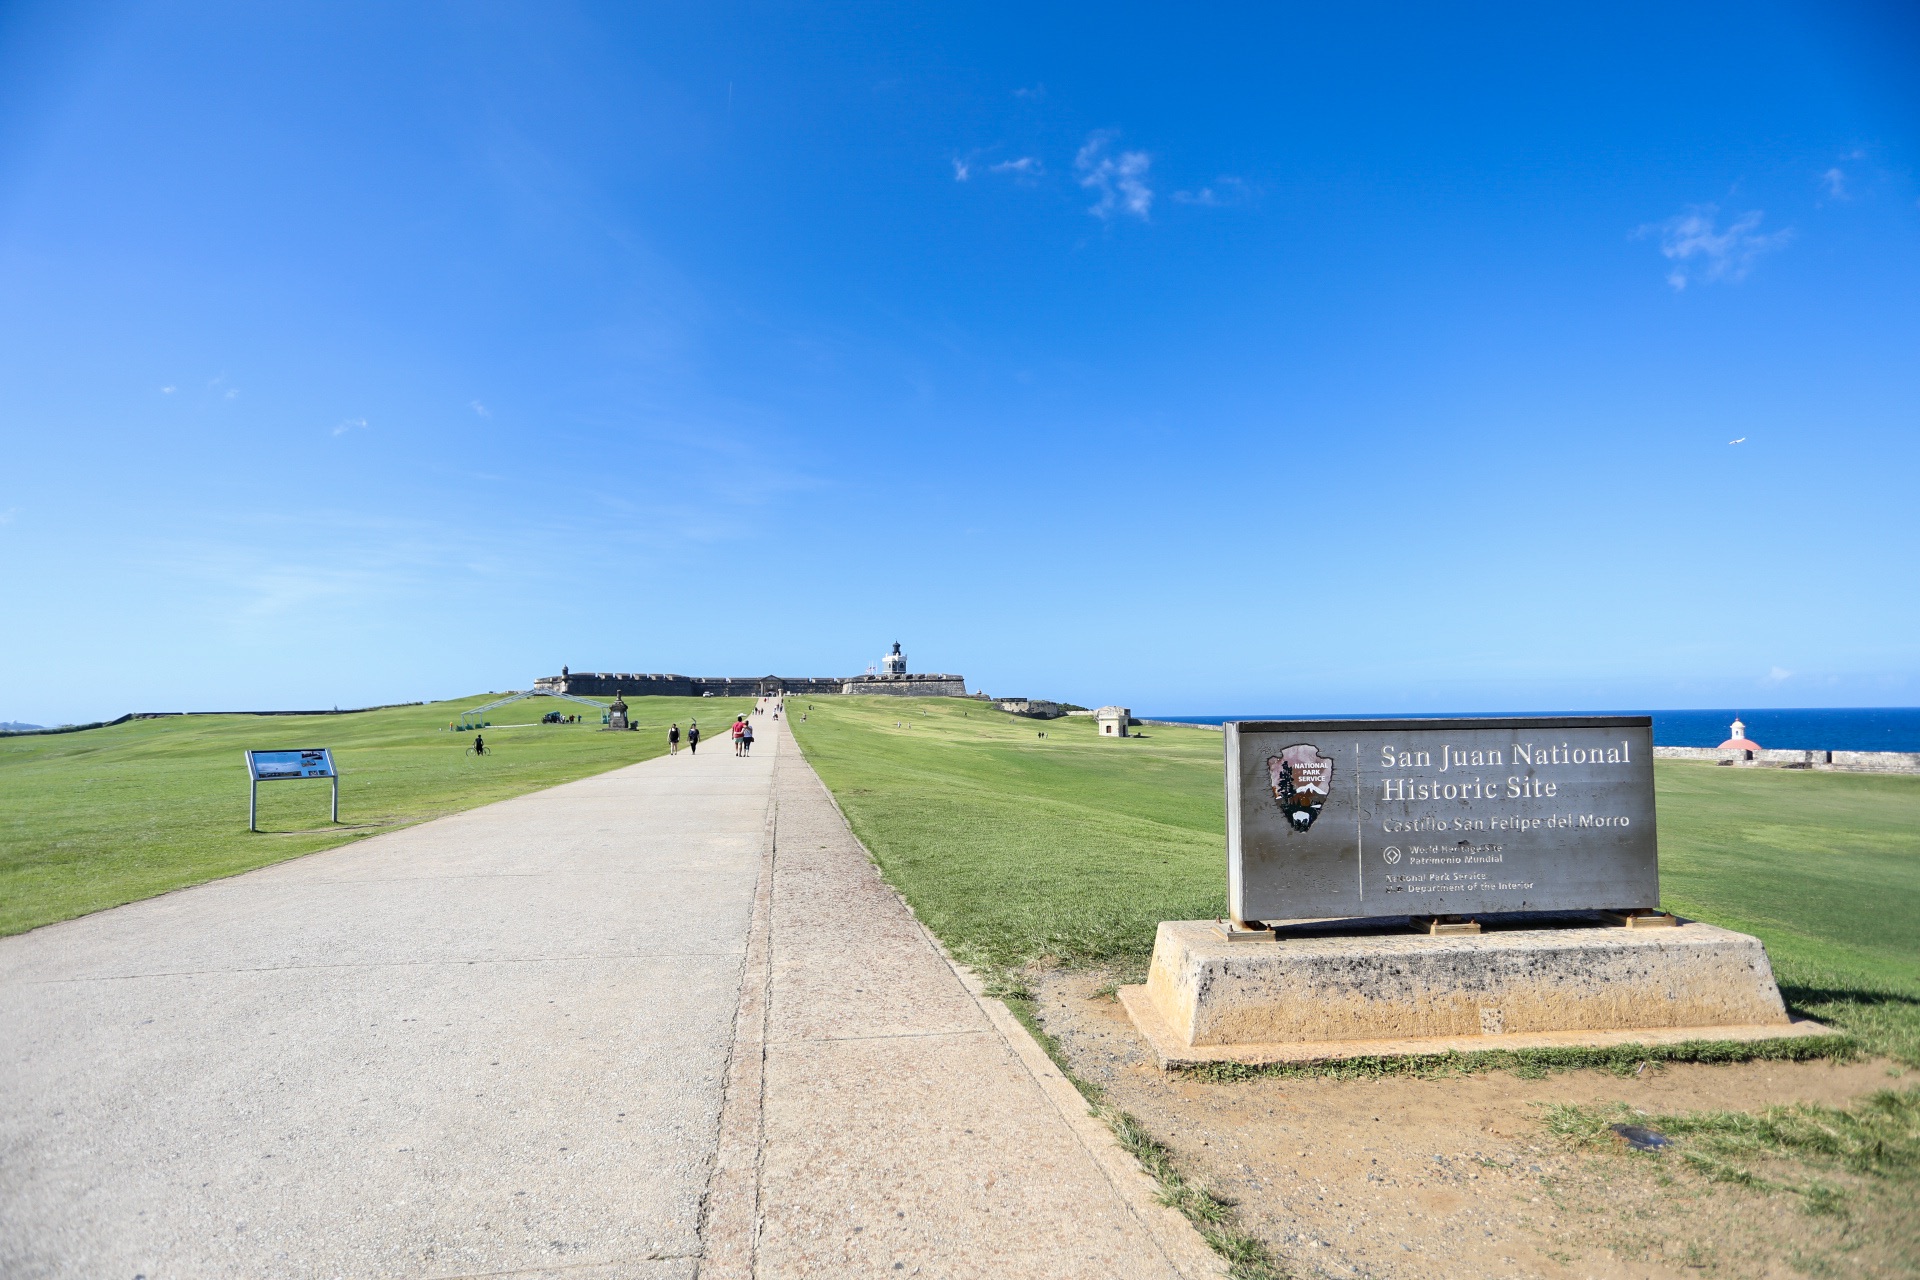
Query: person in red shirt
[{"x": 739, "y": 724}]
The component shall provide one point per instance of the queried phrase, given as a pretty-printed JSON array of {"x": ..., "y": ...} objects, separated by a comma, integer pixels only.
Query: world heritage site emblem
[{"x": 1302, "y": 781}]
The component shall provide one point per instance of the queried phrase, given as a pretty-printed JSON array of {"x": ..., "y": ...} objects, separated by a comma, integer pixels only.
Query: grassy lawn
[
  {"x": 1822, "y": 867},
  {"x": 94, "y": 819},
  {"x": 1071, "y": 848},
  {"x": 1012, "y": 846}
]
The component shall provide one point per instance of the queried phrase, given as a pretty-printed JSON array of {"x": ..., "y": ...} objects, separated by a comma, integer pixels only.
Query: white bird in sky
[{"x": 1741, "y": 440}]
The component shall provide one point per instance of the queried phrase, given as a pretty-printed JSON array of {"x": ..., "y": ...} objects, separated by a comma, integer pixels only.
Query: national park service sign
[
  {"x": 1302, "y": 779},
  {"x": 1332, "y": 819}
]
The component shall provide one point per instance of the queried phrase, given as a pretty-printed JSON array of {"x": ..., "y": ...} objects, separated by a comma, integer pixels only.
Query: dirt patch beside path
[{"x": 1459, "y": 1176}]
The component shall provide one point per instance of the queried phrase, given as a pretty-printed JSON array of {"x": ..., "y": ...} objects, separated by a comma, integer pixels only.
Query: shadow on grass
[
  {"x": 1883, "y": 1022},
  {"x": 1799, "y": 998}
]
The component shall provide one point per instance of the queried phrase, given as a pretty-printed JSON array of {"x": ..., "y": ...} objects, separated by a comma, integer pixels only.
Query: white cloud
[
  {"x": 1036, "y": 93},
  {"x": 1777, "y": 674},
  {"x": 480, "y": 409},
  {"x": 1836, "y": 182},
  {"x": 1223, "y": 190},
  {"x": 350, "y": 424},
  {"x": 961, "y": 170},
  {"x": 1699, "y": 250},
  {"x": 167, "y": 391},
  {"x": 1119, "y": 180},
  {"x": 1024, "y": 167}
]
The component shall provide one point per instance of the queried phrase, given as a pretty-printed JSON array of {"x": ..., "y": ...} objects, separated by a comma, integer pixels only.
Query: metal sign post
[{"x": 288, "y": 766}]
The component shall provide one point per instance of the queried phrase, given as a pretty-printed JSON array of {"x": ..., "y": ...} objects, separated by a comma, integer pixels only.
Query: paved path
[
  {"x": 499, "y": 1044},
  {"x": 490, "y": 1043},
  {"x": 904, "y": 1125}
]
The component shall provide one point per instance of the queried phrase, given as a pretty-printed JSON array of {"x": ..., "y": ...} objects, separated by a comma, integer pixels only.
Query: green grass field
[
  {"x": 1824, "y": 866},
  {"x": 1070, "y": 848},
  {"x": 1012, "y": 846},
  {"x": 93, "y": 819}
]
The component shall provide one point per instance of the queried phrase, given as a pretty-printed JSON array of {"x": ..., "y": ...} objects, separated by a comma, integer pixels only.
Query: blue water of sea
[{"x": 1792, "y": 729}]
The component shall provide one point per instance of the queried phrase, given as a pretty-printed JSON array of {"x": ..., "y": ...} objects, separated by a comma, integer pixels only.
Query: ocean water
[{"x": 1793, "y": 729}]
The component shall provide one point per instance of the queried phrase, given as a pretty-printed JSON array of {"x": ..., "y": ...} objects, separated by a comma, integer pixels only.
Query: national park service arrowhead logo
[{"x": 1302, "y": 781}]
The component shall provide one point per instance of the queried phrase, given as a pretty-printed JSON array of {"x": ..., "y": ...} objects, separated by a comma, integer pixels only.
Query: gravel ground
[{"x": 1458, "y": 1176}]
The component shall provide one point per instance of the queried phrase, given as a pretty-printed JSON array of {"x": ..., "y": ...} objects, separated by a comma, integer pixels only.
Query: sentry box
[
  {"x": 284, "y": 766},
  {"x": 1331, "y": 819}
]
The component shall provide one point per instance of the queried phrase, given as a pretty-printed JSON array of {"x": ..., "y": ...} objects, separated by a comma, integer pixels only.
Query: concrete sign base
[{"x": 1308, "y": 999}]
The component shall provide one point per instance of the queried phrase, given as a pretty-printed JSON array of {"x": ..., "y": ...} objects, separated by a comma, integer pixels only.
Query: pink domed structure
[{"x": 1740, "y": 741}]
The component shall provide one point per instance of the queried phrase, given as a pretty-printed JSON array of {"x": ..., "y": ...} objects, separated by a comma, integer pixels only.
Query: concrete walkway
[
  {"x": 898, "y": 1123},
  {"x": 488, "y": 1044},
  {"x": 536, "y": 1039}
]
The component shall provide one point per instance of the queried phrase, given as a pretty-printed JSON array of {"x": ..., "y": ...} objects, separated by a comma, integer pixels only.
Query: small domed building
[{"x": 1740, "y": 741}]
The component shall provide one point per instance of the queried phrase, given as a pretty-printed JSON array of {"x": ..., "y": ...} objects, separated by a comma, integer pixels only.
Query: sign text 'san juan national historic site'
[{"x": 1352, "y": 818}]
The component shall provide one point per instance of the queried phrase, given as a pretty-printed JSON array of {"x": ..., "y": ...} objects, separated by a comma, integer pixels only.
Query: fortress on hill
[{"x": 892, "y": 678}]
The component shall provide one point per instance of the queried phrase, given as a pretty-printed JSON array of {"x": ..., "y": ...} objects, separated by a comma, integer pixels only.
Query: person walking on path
[
  {"x": 693, "y": 737},
  {"x": 673, "y": 739},
  {"x": 738, "y": 722},
  {"x": 746, "y": 738}
]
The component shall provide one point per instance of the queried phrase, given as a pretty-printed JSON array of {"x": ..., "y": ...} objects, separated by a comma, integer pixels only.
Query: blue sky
[{"x": 1311, "y": 358}]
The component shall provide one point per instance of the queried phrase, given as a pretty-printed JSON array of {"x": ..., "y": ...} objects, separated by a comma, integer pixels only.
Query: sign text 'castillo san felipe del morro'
[{"x": 1360, "y": 818}]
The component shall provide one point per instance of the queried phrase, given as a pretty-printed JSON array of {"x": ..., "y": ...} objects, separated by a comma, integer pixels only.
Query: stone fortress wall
[
  {"x": 1743, "y": 751},
  {"x": 634, "y": 684},
  {"x": 908, "y": 686},
  {"x": 1824, "y": 761},
  {"x": 895, "y": 681}
]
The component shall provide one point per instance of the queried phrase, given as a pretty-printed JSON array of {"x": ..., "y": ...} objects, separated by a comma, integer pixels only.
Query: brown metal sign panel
[{"x": 1348, "y": 818}]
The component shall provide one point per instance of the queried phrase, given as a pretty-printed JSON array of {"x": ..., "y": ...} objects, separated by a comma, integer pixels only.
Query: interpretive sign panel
[
  {"x": 1350, "y": 818},
  {"x": 270, "y": 766},
  {"x": 283, "y": 766}
]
